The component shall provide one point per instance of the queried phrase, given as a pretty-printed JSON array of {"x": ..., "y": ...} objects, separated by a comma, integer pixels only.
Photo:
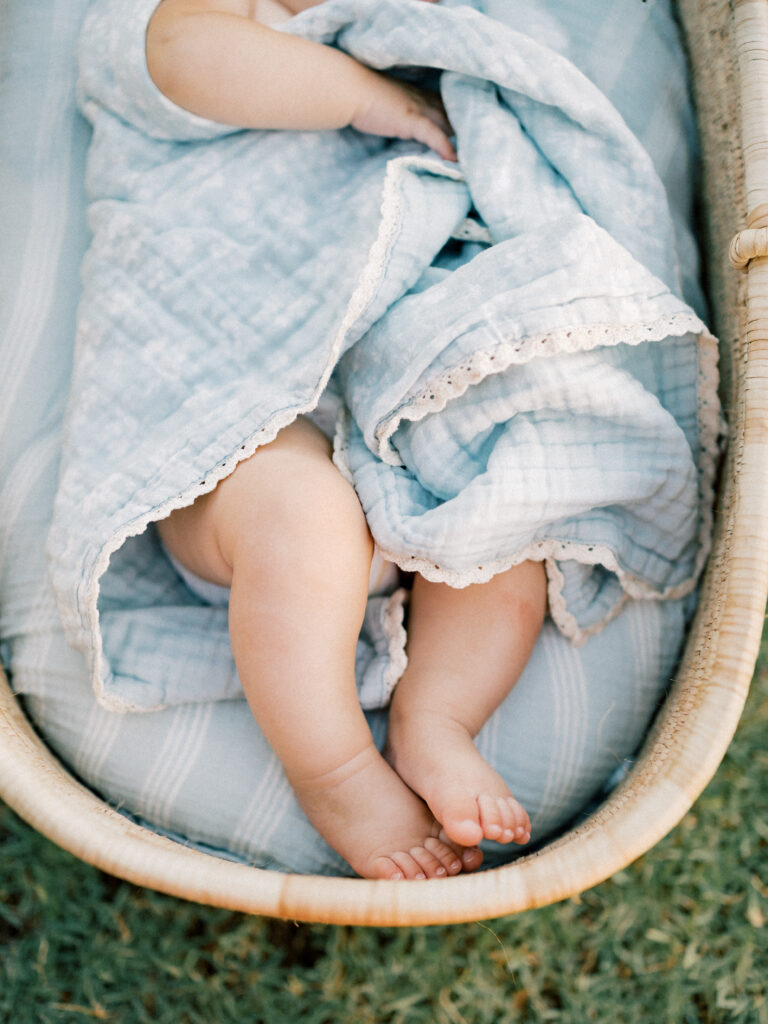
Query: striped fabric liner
[{"x": 204, "y": 772}]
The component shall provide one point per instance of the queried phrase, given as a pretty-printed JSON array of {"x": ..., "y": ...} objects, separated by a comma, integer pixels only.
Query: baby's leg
[
  {"x": 466, "y": 650},
  {"x": 287, "y": 534}
]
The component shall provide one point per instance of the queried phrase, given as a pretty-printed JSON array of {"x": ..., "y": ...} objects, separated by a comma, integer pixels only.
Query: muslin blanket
[{"x": 507, "y": 341}]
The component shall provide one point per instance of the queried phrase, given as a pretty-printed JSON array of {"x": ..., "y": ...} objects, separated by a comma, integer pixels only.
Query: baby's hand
[
  {"x": 393, "y": 109},
  {"x": 396, "y": 110}
]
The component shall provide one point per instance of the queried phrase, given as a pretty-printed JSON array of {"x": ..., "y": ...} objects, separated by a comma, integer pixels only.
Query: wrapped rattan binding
[{"x": 727, "y": 43}]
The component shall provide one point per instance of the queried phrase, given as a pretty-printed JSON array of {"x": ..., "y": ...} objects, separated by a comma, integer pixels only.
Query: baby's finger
[
  {"x": 426, "y": 131},
  {"x": 438, "y": 116},
  {"x": 432, "y": 107}
]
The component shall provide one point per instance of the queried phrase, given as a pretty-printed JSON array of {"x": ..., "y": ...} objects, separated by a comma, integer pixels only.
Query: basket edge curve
[{"x": 699, "y": 717}]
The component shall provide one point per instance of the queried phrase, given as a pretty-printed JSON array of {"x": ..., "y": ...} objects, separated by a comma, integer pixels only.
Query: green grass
[{"x": 680, "y": 936}]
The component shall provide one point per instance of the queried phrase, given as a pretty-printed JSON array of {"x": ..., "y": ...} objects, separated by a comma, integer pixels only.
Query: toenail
[
  {"x": 456, "y": 865},
  {"x": 441, "y": 871},
  {"x": 420, "y": 875},
  {"x": 494, "y": 830},
  {"x": 398, "y": 875}
]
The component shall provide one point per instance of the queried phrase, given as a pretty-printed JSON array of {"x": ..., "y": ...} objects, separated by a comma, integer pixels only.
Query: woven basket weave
[{"x": 728, "y": 45}]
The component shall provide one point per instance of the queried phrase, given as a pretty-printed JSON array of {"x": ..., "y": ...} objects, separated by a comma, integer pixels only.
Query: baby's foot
[
  {"x": 437, "y": 758},
  {"x": 370, "y": 817}
]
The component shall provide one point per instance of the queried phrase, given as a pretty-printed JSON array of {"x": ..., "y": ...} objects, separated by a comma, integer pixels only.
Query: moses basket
[{"x": 727, "y": 43}]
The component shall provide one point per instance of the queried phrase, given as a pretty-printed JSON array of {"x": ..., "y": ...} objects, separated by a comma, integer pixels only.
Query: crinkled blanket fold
[{"x": 515, "y": 369}]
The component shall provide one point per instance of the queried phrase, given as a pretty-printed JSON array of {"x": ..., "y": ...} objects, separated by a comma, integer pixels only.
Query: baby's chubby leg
[
  {"x": 466, "y": 650},
  {"x": 287, "y": 534}
]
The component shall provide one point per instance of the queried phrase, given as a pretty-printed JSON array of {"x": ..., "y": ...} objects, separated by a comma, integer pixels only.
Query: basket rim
[{"x": 678, "y": 760}]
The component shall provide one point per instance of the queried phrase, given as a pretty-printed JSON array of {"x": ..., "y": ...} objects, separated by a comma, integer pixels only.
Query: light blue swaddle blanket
[{"x": 517, "y": 372}]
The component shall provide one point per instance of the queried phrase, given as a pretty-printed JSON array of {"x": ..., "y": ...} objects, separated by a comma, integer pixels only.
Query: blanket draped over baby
[{"x": 506, "y": 341}]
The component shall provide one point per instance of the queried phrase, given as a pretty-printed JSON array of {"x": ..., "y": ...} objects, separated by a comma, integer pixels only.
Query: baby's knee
[
  {"x": 319, "y": 510},
  {"x": 296, "y": 504}
]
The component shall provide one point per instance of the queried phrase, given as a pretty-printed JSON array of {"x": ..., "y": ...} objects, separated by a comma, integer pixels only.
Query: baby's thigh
[{"x": 279, "y": 476}]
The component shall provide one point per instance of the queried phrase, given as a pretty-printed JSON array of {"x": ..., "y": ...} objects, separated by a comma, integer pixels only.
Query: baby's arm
[{"x": 211, "y": 58}]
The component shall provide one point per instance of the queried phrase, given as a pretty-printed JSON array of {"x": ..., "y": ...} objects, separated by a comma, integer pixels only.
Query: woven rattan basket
[{"x": 728, "y": 46}]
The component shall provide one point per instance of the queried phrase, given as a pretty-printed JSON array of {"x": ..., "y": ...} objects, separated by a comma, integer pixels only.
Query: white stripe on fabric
[
  {"x": 47, "y": 223},
  {"x": 174, "y": 761},
  {"x": 184, "y": 767},
  {"x": 264, "y": 812},
  {"x": 43, "y": 617},
  {"x": 96, "y": 743},
  {"x": 573, "y": 674},
  {"x": 636, "y": 623},
  {"x": 21, "y": 481},
  {"x": 569, "y": 719},
  {"x": 558, "y": 715}
]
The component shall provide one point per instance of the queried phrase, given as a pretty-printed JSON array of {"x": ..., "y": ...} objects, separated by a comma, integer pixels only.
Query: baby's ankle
[
  {"x": 327, "y": 773},
  {"x": 410, "y": 715}
]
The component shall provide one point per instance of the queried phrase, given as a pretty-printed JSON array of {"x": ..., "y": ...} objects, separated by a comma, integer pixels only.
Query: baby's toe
[
  {"x": 494, "y": 816},
  {"x": 521, "y": 823},
  {"x": 408, "y": 864},
  {"x": 429, "y": 864},
  {"x": 447, "y": 856},
  {"x": 508, "y": 817},
  {"x": 386, "y": 868},
  {"x": 461, "y": 820},
  {"x": 471, "y": 857},
  {"x": 503, "y": 819}
]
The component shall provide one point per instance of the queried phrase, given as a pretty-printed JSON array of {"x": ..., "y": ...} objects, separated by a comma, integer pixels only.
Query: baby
[{"x": 287, "y": 534}]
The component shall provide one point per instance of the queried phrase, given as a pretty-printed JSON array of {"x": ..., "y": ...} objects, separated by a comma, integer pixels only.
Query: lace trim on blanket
[
  {"x": 394, "y": 629},
  {"x": 364, "y": 294},
  {"x": 456, "y": 381},
  {"x": 549, "y": 552},
  {"x": 711, "y": 430}
]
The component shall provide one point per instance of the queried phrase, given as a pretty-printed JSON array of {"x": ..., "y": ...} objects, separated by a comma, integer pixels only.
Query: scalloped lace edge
[
  {"x": 454, "y": 382},
  {"x": 394, "y": 629}
]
